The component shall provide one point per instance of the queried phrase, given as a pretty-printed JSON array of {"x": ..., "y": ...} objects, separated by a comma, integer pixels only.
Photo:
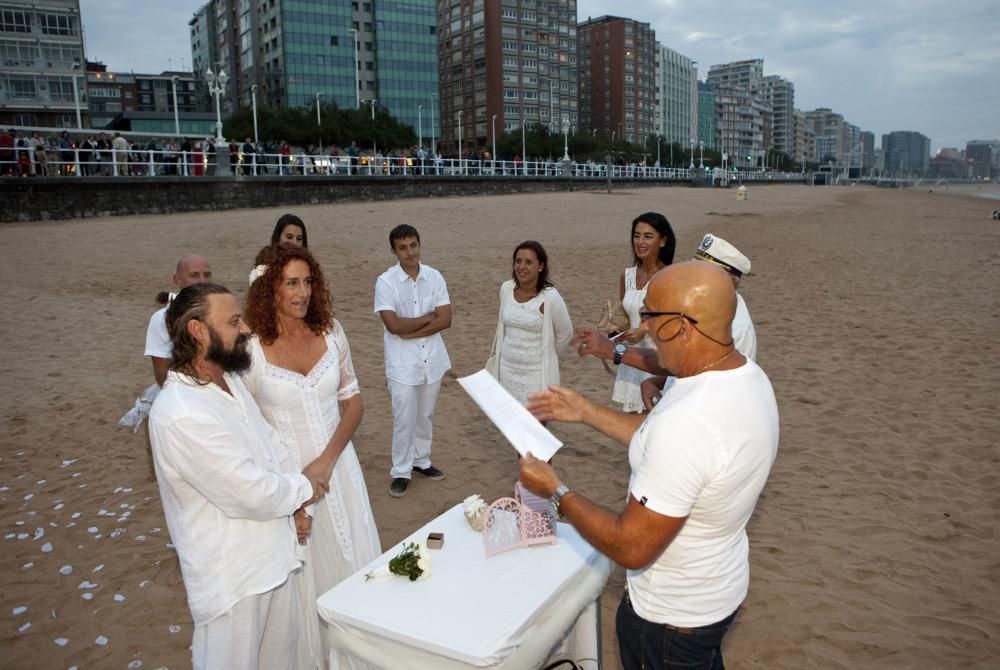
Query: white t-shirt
[
  {"x": 744, "y": 335},
  {"x": 157, "y": 339},
  {"x": 704, "y": 452},
  {"x": 422, "y": 360}
]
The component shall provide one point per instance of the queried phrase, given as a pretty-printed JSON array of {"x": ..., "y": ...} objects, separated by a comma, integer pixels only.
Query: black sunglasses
[{"x": 643, "y": 316}]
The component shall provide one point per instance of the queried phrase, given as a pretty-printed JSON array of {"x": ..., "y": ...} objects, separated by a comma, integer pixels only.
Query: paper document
[{"x": 516, "y": 423}]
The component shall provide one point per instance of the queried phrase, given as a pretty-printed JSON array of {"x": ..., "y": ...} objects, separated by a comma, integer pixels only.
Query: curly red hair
[{"x": 260, "y": 313}]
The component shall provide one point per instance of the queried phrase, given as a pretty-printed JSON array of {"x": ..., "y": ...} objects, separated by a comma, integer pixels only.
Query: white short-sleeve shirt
[
  {"x": 704, "y": 453},
  {"x": 422, "y": 360},
  {"x": 157, "y": 339},
  {"x": 744, "y": 335}
]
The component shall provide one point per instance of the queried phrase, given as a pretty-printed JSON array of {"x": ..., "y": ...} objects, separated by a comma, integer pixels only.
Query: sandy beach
[{"x": 874, "y": 545}]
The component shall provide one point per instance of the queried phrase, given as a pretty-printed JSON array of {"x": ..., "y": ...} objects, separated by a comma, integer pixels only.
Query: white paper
[{"x": 516, "y": 423}]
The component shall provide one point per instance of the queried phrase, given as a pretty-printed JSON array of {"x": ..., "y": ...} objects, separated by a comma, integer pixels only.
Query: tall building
[
  {"x": 906, "y": 152},
  {"x": 617, "y": 77},
  {"x": 516, "y": 62},
  {"x": 677, "y": 116},
  {"x": 130, "y": 101},
  {"x": 741, "y": 75},
  {"x": 779, "y": 95},
  {"x": 707, "y": 132},
  {"x": 742, "y": 125},
  {"x": 867, "y": 140},
  {"x": 980, "y": 158},
  {"x": 298, "y": 51},
  {"x": 804, "y": 139},
  {"x": 41, "y": 63},
  {"x": 828, "y": 129}
]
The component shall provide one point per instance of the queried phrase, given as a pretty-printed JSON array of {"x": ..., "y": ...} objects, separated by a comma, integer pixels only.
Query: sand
[{"x": 873, "y": 546}]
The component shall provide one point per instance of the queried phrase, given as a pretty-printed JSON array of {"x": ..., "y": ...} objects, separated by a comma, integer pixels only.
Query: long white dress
[
  {"x": 628, "y": 379},
  {"x": 305, "y": 410},
  {"x": 521, "y": 348}
]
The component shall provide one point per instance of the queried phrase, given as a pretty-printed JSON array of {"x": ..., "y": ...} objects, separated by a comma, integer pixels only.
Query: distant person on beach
[
  {"x": 714, "y": 249},
  {"x": 653, "y": 244},
  {"x": 191, "y": 269},
  {"x": 533, "y": 329},
  {"x": 303, "y": 380},
  {"x": 289, "y": 231},
  {"x": 698, "y": 461},
  {"x": 227, "y": 502},
  {"x": 412, "y": 300}
]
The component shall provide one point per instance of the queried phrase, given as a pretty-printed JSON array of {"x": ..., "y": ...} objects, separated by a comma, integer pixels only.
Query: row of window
[
  {"x": 21, "y": 21},
  {"x": 59, "y": 89}
]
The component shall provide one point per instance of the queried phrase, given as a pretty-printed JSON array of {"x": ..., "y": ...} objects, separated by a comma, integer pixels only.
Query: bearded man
[{"x": 226, "y": 495}]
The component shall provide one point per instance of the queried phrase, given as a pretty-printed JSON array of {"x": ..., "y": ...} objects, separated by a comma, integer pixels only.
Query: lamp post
[
  {"x": 658, "y": 139},
  {"x": 461, "y": 165},
  {"x": 524, "y": 152},
  {"x": 216, "y": 87},
  {"x": 357, "y": 75},
  {"x": 420, "y": 126},
  {"x": 177, "y": 122},
  {"x": 691, "y": 166},
  {"x": 76, "y": 97},
  {"x": 433, "y": 138},
  {"x": 565, "y": 125},
  {"x": 701, "y": 155},
  {"x": 374, "y": 142},
  {"x": 493, "y": 129},
  {"x": 253, "y": 101},
  {"x": 319, "y": 122}
]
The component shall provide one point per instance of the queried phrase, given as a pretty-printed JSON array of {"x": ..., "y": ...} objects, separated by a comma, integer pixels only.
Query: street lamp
[
  {"x": 253, "y": 101},
  {"x": 524, "y": 151},
  {"x": 493, "y": 126},
  {"x": 460, "y": 141},
  {"x": 357, "y": 75},
  {"x": 319, "y": 122},
  {"x": 701, "y": 155},
  {"x": 420, "y": 126},
  {"x": 177, "y": 123},
  {"x": 691, "y": 166},
  {"x": 374, "y": 102},
  {"x": 76, "y": 97},
  {"x": 565, "y": 125},
  {"x": 433, "y": 138},
  {"x": 216, "y": 87}
]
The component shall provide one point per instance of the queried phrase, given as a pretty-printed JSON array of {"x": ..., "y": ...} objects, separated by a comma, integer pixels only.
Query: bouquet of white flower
[{"x": 413, "y": 562}]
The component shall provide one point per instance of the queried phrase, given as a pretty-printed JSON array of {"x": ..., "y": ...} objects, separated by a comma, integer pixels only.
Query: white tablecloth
[{"x": 507, "y": 611}]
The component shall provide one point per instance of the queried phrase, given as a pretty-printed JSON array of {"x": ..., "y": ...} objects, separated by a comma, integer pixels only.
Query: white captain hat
[{"x": 716, "y": 250}]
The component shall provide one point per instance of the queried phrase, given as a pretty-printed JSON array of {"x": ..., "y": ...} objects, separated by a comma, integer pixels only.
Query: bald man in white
[{"x": 191, "y": 269}]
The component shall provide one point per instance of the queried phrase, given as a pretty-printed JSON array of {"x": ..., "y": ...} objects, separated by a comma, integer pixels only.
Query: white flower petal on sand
[
  {"x": 66, "y": 569},
  {"x": 119, "y": 598},
  {"x": 88, "y": 596},
  {"x": 61, "y": 641},
  {"x": 101, "y": 640},
  {"x": 24, "y": 627},
  {"x": 27, "y": 566},
  {"x": 87, "y": 585},
  {"x": 174, "y": 628},
  {"x": 19, "y": 610},
  {"x": 134, "y": 665},
  {"x": 47, "y": 547}
]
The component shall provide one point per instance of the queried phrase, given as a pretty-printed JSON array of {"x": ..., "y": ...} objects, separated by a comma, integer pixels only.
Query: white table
[{"x": 512, "y": 610}]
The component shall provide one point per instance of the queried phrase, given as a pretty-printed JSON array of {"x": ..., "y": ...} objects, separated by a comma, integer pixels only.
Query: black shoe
[
  {"x": 430, "y": 471},
  {"x": 397, "y": 489}
]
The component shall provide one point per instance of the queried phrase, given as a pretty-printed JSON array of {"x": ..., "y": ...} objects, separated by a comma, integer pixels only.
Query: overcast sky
[{"x": 923, "y": 65}]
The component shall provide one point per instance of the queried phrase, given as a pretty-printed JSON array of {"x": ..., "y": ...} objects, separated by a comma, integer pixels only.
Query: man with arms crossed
[
  {"x": 412, "y": 300},
  {"x": 699, "y": 461},
  {"x": 192, "y": 269},
  {"x": 227, "y": 502}
]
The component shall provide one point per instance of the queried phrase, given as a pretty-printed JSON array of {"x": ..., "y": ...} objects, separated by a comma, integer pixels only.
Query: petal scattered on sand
[
  {"x": 61, "y": 641},
  {"x": 93, "y": 529},
  {"x": 134, "y": 665},
  {"x": 87, "y": 585},
  {"x": 119, "y": 598},
  {"x": 144, "y": 583},
  {"x": 59, "y": 506},
  {"x": 87, "y": 596},
  {"x": 39, "y": 532},
  {"x": 24, "y": 627},
  {"x": 140, "y": 538},
  {"x": 174, "y": 628},
  {"x": 22, "y": 536},
  {"x": 128, "y": 490},
  {"x": 40, "y": 482},
  {"x": 47, "y": 547},
  {"x": 29, "y": 496},
  {"x": 21, "y": 609},
  {"x": 66, "y": 569},
  {"x": 19, "y": 523},
  {"x": 77, "y": 474},
  {"x": 4, "y": 488},
  {"x": 28, "y": 566},
  {"x": 101, "y": 640},
  {"x": 76, "y": 515},
  {"x": 9, "y": 536},
  {"x": 98, "y": 568},
  {"x": 69, "y": 462}
]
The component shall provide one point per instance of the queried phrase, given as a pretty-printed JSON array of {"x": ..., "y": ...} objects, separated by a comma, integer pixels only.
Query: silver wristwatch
[
  {"x": 556, "y": 497},
  {"x": 620, "y": 350}
]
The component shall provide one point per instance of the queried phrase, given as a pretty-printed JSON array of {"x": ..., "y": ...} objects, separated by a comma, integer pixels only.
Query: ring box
[{"x": 435, "y": 540}]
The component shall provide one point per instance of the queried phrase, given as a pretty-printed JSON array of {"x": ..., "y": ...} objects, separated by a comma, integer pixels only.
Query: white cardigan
[{"x": 557, "y": 332}]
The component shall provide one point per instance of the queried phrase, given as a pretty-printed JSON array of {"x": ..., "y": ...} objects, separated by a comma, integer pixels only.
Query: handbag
[{"x": 614, "y": 319}]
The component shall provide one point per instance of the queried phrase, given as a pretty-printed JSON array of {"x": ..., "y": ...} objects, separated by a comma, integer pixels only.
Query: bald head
[
  {"x": 192, "y": 269},
  {"x": 702, "y": 291}
]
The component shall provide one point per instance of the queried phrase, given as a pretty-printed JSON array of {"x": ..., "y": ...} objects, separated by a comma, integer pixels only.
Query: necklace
[
  {"x": 714, "y": 363},
  {"x": 641, "y": 279}
]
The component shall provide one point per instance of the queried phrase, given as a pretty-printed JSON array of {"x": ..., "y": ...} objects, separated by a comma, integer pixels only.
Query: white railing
[{"x": 85, "y": 162}]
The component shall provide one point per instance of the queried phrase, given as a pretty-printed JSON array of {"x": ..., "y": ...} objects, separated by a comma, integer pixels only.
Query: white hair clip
[{"x": 257, "y": 273}]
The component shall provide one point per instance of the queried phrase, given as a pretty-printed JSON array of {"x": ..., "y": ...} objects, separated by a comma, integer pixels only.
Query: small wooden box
[{"x": 435, "y": 540}]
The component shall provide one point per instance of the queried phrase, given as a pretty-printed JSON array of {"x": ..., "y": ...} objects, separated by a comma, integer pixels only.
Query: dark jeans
[{"x": 644, "y": 645}]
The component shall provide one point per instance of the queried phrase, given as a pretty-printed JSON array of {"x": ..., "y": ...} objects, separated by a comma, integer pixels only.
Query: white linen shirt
[
  {"x": 226, "y": 496},
  {"x": 422, "y": 360},
  {"x": 158, "y": 342},
  {"x": 744, "y": 335}
]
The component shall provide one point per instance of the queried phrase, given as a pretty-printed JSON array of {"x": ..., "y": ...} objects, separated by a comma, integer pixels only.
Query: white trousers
[
  {"x": 412, "y": 428},
  {"x": 259, "y": 632}
]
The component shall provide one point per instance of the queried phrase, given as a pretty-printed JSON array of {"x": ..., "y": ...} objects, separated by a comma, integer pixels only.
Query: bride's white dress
[{"x": 305, "y": 410}]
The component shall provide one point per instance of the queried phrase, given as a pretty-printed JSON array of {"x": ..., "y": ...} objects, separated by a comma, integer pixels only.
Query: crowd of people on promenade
[{"x": 267, "y": 504}]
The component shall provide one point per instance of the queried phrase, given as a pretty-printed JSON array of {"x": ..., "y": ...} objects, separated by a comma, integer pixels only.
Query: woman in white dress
[
  {"x": 653, "y": 244},
  {"x": 534, "y": 328},
  {"x": 303, "y": 380}
]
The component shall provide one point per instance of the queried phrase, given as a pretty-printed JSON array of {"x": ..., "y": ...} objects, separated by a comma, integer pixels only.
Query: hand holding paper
[{"x": 516, "y": 423}]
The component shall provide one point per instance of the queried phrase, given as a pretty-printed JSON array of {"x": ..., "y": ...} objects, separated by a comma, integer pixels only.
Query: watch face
[{"x": 620, "y": 349}]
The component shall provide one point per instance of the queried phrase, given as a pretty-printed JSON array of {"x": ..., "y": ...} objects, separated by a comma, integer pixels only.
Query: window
[
  {"x": 24, "y": 119},
  {"x": 21, "y": 88},
  {"x": 56, "y": 24},
  {"x": 13, "y": 21},
  {"x": 334, "y": 40}
]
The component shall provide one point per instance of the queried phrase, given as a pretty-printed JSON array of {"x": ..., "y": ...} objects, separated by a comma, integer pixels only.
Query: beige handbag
[{"x": 614, "y": 319}]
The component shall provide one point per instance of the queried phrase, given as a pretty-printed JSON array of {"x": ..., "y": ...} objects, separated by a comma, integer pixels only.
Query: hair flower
[{"x": 257, "y": 273}]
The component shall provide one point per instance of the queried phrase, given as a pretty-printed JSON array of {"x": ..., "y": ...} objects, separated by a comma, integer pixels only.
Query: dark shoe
[
  {"x": 398, "y": 487},
  {"x": 430, "y": 471}
]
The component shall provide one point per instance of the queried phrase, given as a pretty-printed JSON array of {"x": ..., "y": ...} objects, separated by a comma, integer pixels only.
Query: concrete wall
[{"x": 51, "y": 198}]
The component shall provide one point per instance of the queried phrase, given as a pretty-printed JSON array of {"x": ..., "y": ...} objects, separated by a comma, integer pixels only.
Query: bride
[{"x": 303, "y": 380}]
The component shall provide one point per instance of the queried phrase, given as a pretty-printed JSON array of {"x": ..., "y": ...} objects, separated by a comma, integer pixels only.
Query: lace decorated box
[{"x": 521, "y": 521}]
